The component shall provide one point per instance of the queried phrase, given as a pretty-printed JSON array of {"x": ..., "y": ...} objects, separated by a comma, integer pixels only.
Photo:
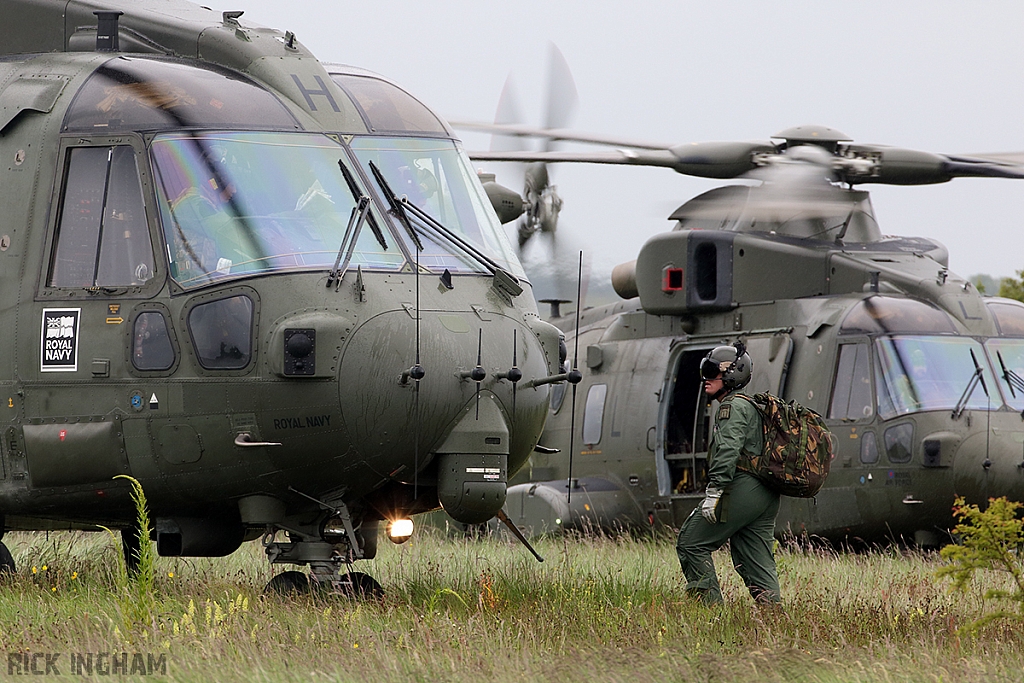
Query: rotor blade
[
  {"x": 897, "y": 166},
  {"x": 536, "y": 177},
  {"x": 507, "y": 113},
  {"x": 1011, "y": 158},
  {"x": 629, "y": 157},
  {"x": 558, "y": 134},
  {"x": 967, "y": 167},
  {"x": 562, "y": 97},
  {"x": 727, "y": 160}
]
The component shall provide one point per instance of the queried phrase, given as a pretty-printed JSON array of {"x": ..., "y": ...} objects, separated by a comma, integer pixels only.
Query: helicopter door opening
[{"x": 685, "y": 421}]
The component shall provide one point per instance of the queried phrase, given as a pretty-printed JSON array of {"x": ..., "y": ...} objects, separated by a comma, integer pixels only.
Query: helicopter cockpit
[
  {"x": 242, "y": 190},
  {"x": 922, "y": 364}
]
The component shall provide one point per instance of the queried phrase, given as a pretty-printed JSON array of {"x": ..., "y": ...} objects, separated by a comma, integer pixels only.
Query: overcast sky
[{"x": 939, "y": 76}]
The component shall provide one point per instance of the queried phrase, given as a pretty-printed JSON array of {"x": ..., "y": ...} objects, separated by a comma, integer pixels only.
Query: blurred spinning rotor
[{"x": 541, "y": 203}]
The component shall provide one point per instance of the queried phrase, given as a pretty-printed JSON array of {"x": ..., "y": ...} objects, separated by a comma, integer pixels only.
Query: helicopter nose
[
  {"x": 461, "y": 426},
  {"x": 991, "y": 465}
]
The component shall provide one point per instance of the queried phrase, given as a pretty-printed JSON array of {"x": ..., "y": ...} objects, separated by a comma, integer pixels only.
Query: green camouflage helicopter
[
  {"x": 917, "y": 374},
  {"x": 271, "y": 290}
]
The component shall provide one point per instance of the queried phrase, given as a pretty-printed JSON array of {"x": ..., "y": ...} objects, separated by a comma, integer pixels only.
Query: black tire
[
  {"x": 6, "y": 560},
  {"x": 360, "y": 586},
  {"x": 288, "y": 583}
]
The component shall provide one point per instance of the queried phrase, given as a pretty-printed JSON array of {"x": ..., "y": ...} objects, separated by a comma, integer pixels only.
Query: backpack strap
[{"x": 747, "y": 461}]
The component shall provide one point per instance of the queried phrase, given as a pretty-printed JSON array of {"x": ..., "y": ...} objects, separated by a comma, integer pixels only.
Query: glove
[{"x": 710, "y": 503}]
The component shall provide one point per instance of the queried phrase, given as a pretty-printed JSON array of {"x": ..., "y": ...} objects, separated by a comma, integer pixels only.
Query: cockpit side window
[
  {"x": 102, "y": 235},
  {"x": 851, "y": 392},
  {"x": 221, "y": 332},
  {"x": 152, "y": 342}
]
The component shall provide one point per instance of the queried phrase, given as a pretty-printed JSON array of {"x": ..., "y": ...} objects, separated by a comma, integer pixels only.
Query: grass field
[{"x": 480, "y": 610}]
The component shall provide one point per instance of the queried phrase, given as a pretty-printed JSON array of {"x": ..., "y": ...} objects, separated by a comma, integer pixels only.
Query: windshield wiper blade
[
  {"x": 358, "y": 195},
  {"x": 504, "y": 280},
  {"x": 1012, "y": 378},
  {"x": 972, "y": 383},
  {"x": 355, "y": 221},
  {"x": 447, "y": 233},
  {"x": 396, "y": 206}
]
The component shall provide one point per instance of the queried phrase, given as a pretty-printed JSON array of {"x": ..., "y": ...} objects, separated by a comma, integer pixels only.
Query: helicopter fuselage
[
  {"x": 911, "y": 367},
  {"x": 214, "y": 281}
]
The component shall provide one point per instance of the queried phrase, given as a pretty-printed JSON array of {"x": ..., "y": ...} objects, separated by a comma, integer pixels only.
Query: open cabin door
[{"x": 684, "y": 423}]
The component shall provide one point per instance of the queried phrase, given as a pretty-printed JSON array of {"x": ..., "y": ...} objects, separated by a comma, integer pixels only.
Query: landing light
[{"x": 399, "y": 530}]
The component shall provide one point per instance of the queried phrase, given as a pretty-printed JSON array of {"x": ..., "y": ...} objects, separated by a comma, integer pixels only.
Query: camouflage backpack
[{"x": 797, "y": 447}]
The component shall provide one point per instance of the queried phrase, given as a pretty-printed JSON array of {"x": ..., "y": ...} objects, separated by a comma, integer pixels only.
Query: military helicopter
[
  {"x": 917, "y": 374},
  {"x": 271, "y": 290}
]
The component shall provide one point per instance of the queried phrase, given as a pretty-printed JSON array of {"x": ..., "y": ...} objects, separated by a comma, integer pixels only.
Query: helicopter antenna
[
  {"x": 575, "y": 361},
  {"x": 417, "y": 373},
  {"x": 477, "y": 374},
  {"x": 514, "y": 374}
]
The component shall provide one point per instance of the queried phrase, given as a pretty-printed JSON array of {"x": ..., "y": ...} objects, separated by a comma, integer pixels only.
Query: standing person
[{"x": 737, "y": 506}]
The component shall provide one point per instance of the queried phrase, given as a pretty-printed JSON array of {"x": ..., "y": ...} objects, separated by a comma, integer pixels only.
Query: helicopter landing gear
[
  {"x": 329, "y": 548},
  {"x": 326, "y": 579},
  {"x": 6, "y": 560},
  {"x": 355, "y": 585},
  {"x": 288, "y": 583}
]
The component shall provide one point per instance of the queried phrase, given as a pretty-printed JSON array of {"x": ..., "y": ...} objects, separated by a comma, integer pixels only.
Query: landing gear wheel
[
  {"x": 6, "y": 560},
  {"x": 288, "y": 583},
  {"x": 360, "y": 586}
]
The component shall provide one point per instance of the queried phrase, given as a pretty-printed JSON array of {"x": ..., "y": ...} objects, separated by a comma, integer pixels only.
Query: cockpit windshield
[
  {"x": 918, "y": 373},
  {"x": 247, "y": 202},
  {"x": 436, "y": 177},
  {"x": 244, "y": 203}
]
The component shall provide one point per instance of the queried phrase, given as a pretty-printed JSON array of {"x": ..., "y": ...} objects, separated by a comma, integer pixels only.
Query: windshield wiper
[
  {"x": 396, "y": 206},
  {"x": 401, "y": 208},
  {"x": 976, "y": 377},
  {"x": 355, "y": 221},
  {"x": 358, "y": 195},
  {"x": 1012, "y": 379}
]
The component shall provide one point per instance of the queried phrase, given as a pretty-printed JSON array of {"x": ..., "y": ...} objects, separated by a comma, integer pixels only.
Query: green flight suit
[{"x": 746, "y": 513}]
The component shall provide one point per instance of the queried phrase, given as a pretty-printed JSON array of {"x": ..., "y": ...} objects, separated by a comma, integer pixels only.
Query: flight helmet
[{"x": 732, "y": 362}]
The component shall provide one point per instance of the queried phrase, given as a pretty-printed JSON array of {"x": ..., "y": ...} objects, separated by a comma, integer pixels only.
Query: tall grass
[
  {"x": 605, "y": 609},
  {"x": 136, "y": 588}
]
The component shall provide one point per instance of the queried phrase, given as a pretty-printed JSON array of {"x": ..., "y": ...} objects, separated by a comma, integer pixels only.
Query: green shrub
[{"x": 990, "y": 540}]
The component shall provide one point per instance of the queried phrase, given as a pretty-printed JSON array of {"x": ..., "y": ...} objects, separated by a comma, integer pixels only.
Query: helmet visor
[{"x": 709, "y": 369}]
